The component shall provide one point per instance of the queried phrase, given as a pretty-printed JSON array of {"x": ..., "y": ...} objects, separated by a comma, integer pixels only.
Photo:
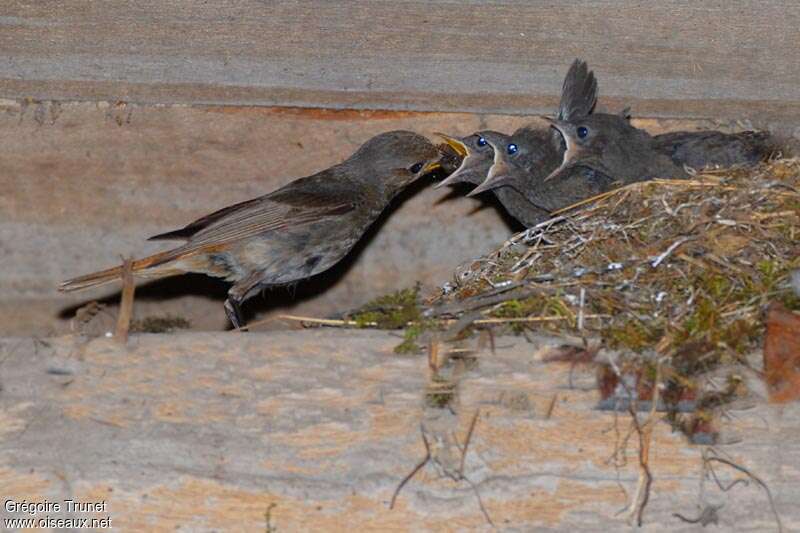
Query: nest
[
  {"x": 674, "y": 275},
  {"x": 669, "y": 265}
]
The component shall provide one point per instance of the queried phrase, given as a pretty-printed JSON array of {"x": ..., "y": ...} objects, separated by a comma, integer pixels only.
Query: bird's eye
[
  {"x": 512, "y": 149},
  {"x": 481, "y": 141},
  {"x": 416, "y": 168},
  {"x": 583, "y": 131}
]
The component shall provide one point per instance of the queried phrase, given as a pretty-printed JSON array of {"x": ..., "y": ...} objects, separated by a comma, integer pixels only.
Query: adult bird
[{"x": 293, "y": 233}]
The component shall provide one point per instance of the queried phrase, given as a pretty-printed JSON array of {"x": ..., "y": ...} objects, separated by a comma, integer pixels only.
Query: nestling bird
[
  {"x": 532, "y": 152},
  {"x": 610, "y": 144},
  {"x": 605, "y": 151},
  {"x": 701, "y": 149},
  {"x": 532, "y": 148},
  {"x": 477, "y": 157},
  {"x": 576, "y": 185},
  {"x": 602, "y": 151},
  {"x": 293, "y": 233}
]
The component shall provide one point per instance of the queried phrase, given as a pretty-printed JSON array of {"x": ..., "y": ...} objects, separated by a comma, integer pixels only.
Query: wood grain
[
  {"x": 208, "y": 431},
  {"x": 733, "y": 59}
]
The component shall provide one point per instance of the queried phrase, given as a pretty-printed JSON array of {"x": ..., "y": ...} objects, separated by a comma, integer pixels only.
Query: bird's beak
[
  {"x": 461, "y": 149},
  {"x": 572, "y": 150},
  {"x": 498, "y": 173},
  {"x": 495, "y": 178},
  {"x": 430, "y": 167},
  {"x": 555, "y": 123}
]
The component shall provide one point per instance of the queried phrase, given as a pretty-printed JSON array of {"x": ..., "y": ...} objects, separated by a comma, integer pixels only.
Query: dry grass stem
[{"x": 126, "y": 303}]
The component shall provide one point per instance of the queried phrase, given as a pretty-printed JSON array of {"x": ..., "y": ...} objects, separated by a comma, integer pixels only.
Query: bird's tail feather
[
  {"x": 145, "y": 268},
  {"x": 578, "y": 93}
]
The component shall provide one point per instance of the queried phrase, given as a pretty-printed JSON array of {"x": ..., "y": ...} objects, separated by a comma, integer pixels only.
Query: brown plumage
[
  {"x": 701, "y": 149},
  {"x": 609, "y": 144},
  {"x": 477, "y": 157},
  {"x": 521, "y": 162},
  {"x": 535, "y": 149},
  {"x": 293, "y": 233}
]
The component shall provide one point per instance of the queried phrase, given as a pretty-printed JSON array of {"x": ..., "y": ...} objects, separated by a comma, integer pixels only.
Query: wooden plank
[
  {"x": 734, "y": 59},
  {"x": 207, "y": 431}
]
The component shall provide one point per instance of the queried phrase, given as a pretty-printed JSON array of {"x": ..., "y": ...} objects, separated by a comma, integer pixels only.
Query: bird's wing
[
  {"x": 700, "y": 149},
  {"x": 291, "y": 206},
  {"x": 193, "y": 227},
  {"x": 579, "y": 92}
]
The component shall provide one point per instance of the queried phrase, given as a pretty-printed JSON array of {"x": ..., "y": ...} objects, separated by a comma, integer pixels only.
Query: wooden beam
[{"x": 733, "y": 59}]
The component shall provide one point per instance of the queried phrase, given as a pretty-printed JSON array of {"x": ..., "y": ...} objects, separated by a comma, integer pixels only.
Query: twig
[
  {"x": 526, "y": 319},
  {"x": 462, "y": 477},
  {"x": 720, "y": 485},
  {"x": 480, "y": 501},
  {"x": 466, "y": 443},
  {"x": 126, "y": 303},
  {"x": 352, "y": 323},
  {"x": 490, "y": 298},
  {"x": 597, "y": 198},
  {"x": 415, "y": 470},
  {"x": 645, "y": 431},
  {"x": 324, "y": 321},
  {"x": 658, "y": 260},
  {"x": 640, "y": 185},
  {"x": 551, "y": 407},
  {"x": 707, "y": 516},
  {"x": 752, "y": 476},
  {"x": 270, "y": 528}
]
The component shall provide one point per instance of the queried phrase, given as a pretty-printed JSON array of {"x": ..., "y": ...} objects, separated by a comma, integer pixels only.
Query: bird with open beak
[
  {"x": 611, "y": 145},
  {"x": 532, "y": 152},
  {"x": 579, "y": 183},
  {"x": 531, "y": 147},
  {"x": 293, "y": 233},
  {"x": 476, "y": 158},
  {"x": 597, "y": 152}
]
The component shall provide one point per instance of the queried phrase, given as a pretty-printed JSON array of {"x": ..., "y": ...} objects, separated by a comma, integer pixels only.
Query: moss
[
  {"x": 790, "y": 300},
  {"x": 717, "y": 287},
  {"x": 439, "y": 400},
  {"x": 632, "y": 334},
  {"x": 392, "y": 311},
  {"x": 702, "y": 321},
  {"x": 556, "y": 306},
  {"x": 532, "y": 307},
  {"x": 440, "y": 393},
  {"x": 518, "y": 308},
  {"x": 770, "y": 274},
  {"x": 410, "y": 336}
]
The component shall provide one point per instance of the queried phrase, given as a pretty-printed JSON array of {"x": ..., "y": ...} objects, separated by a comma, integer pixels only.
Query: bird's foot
[{"x": 234, "y": 313}]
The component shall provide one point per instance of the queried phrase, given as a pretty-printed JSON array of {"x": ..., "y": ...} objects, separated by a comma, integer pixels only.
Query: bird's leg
[
  {"x": 234, "y": 312},
  {"x": 237, "y": 294}
]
